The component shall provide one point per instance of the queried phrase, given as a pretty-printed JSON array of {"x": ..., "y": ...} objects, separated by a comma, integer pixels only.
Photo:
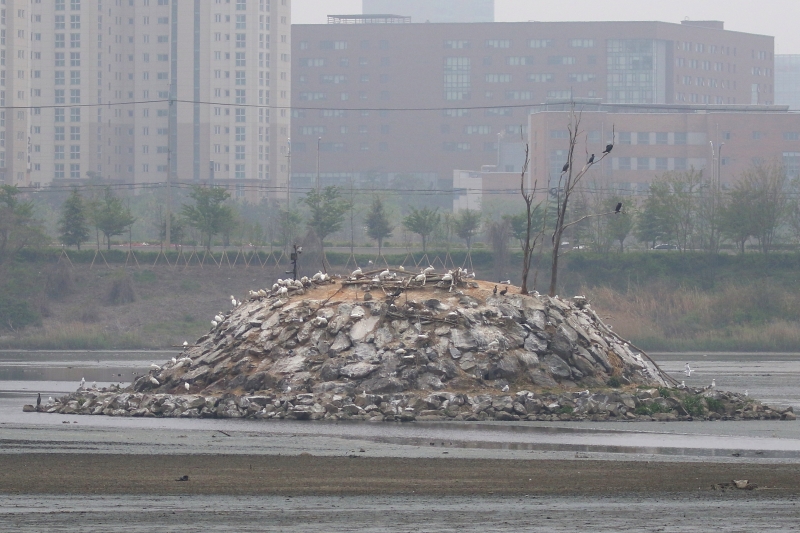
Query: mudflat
[{"x": 73, "y": 474}]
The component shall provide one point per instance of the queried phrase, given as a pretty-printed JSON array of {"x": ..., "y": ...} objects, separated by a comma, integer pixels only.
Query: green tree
[
  {"x": 423, "y": 222},
  {"x": 655, "y": 222},
  {"x": 18, "y": 227},
  {"x": 111, "y": 216},
  {"x": 72, "y": 226},
  {"x": 467, "y": 224},
  {"x": 209, "y": 215},
  {"x": 289, "y": 221},
  {"x": 620, "y": 225},
  {"x": 326, "y": 212},
  {"x": 734, "y": 217},
  {"x": 177, "y": 229},
  {"x": 377, "y": 222}
]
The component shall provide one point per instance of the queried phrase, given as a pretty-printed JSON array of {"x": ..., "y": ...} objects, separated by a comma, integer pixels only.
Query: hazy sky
[{"x": 778, "y": 18}]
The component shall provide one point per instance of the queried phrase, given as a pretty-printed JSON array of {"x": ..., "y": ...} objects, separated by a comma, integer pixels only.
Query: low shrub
[
  {"x": 120, "y": 292},
  {"x": 693, "y": 405}
]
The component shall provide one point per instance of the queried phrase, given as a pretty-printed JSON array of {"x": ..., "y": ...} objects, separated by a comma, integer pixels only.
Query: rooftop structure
[
  {"x": 787, "y": 80},
  {"x": 368, "y": 19},
  {"x": 435, "y": 10}
]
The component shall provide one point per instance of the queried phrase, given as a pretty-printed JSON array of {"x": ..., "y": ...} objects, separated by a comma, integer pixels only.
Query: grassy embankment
[{"x": 660, "y": 301}]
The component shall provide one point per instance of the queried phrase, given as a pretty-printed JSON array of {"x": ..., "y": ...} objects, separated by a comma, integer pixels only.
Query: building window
[
  {"x": 662, "y": 137},
  {"x": 540, "y": 43},
  {"x": 560, "y": 60},
  {"x": 624, "y": 163},
  {"x": 581, "y": 43},
  {"x": 498, "y": 43},
  {"x": 540, "y": 78},
  {"x": 643, "y": 137},
  {"x": 680, "y": 163},
  {"x": 498, "y": 78},
  {"x": 516, "y": 61},
  {"x": 456, "y": 45},
  {"x": 59, "y": 171},
  {"x": 681, "y": 137}
]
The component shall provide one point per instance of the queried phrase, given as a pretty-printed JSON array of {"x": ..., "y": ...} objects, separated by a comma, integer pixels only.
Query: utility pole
[
  {"x": 169, "y": 169},
  {"x": 319, "y": 141},
  {"x": 288, "y": 163}
]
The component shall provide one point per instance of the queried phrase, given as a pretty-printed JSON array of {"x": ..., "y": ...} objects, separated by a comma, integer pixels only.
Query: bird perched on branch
[
  {"x": 565, "y": 167},
  {"x": 618, "y": 208},
  {"x": 608, "y": 149},
  {"x": 591, "y": 160}
]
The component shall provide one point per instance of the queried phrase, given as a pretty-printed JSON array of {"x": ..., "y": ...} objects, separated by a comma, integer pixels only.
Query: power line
[{"x": 638, "y": 107}]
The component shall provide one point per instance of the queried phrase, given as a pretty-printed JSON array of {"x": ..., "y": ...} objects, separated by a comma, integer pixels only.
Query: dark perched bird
[
  {"x": 591, "y": 159},
  {"x": 396, "y": 293},
  {"x": 618, "y": 208},
  {"x": 608, "y": 149},
  {"x": 504, "y": 291},
  {"x": 495, "y": 290},
  {"x": 565, "y": 167},
  {"x": 39, "y": 399}
]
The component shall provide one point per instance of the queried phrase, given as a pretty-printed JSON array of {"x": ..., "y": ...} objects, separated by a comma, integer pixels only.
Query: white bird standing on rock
[
  {"x": 83, "y": 382},
  {"x": 713, "y": 383},
  {"x": 219, "y": 318},
  {"x": 746, "y": 393},
  {"x": 213, "y": 323},
  {"x": 356, "y": 273},
  {"x": 154, "y": 381},
  {"x": 155, "y": 366},
  {"x": 688, "y": 370},
  {"x": 429, "y": 270},
  {"x": 421, "y": 278},
  {"x": 185, "y": 344},
  {"x": 186, "y": 386},
  {"x": 174, "y": 360},
  {"x": 283, "y": 290}
]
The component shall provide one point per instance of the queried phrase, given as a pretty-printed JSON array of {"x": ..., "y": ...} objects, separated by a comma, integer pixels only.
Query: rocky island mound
[{"x": 397, "y": 346}]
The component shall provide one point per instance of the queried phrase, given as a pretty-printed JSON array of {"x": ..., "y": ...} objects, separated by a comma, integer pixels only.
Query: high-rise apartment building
[
  {"x": 434, "y": 10},
  {"x": 123, "y": 89},
  {"x": 425, "y": 99}
]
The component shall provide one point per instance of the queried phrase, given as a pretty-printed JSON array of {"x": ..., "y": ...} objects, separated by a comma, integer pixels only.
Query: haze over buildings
[
  {"x": 434, "y": 10},
  {"x": 117, "y": 88},
  {"x": 418, "y": 101},
  {"x": 787, "y": 80}
]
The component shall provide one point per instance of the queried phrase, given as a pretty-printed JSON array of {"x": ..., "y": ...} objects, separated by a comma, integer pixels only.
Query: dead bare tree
[
  {"x": 529, "y": 243},
  {"x": 568, "y": 181}
]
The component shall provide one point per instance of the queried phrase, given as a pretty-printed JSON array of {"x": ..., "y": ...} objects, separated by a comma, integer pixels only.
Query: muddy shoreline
[{"x": 73, "y": 474}]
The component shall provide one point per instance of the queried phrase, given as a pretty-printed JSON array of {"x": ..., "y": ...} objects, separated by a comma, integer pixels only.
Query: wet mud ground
[{"x": 93, "y": 474}]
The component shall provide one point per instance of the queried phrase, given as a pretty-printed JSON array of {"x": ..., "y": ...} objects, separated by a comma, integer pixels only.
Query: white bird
[
  {"x": 155, "y": 366},
  {"x": 471, "y": 275},
  {"x": 401, "y": 268},
  {"x": 283, "y": 290},
  {"x": 429, "y": 270},
  {"x": 713, "y": 383},
  {"x": 746, "y": 393},
  {"x": 356, "y": 273},
  {"x": 262, "y": 293},
  {"x": 94, "y": 384},
  {"x": 385, "y": 274},
  {"x": 83, "y": 382},
  {"x": 233, "y": 302},
  {"x": 219, "y": 318},
  {"x": 369, "y": 262},
  {"x": 154, "y": 381},
  {"x": 233, "y": 297},
  {"x": 683, "y": 385},
  {"x": 213, "y": 323},
  {"x": 289, "y": 389},
  {"x": 174, "y": 360},
  {"x": 50, "y": 399},
  {"x": 688, "y": 370},
  {"x": 318, "y": 276},
  {"x": 448, "y": 276},
  {"x": 422, "y": 336},
  {"x": 185, "y": 343},
  {"x": 186, "y": 385},
  {"x": 421, "y": 278},
  {"x": 506, "y": 282},
  {"x": 505, "y": 388}
]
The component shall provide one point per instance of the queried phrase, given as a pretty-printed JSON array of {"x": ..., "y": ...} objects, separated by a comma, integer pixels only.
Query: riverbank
[
  {"x": 304, "y": 474},
  {"x": 666, "y": 302}
]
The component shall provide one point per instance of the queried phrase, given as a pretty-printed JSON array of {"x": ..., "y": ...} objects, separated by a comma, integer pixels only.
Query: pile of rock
[
  {"x": 399, "y": 346},
  {"x": 664, "y": 405}
]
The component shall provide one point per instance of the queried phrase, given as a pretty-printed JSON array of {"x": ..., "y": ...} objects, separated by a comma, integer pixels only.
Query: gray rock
[{"x": 557, "y": 367}]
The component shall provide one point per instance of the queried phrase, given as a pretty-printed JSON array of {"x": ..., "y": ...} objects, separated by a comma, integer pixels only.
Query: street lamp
[
  {"x": 295, "y": 257},
  {"x": 319, "y": 141}
]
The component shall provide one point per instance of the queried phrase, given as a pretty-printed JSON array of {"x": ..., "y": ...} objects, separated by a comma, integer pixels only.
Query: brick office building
[{"x": 380, "y": 100}]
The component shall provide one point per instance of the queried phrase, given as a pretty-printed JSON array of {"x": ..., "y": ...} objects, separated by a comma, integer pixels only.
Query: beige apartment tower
[{"x": 131, "y": 90}]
